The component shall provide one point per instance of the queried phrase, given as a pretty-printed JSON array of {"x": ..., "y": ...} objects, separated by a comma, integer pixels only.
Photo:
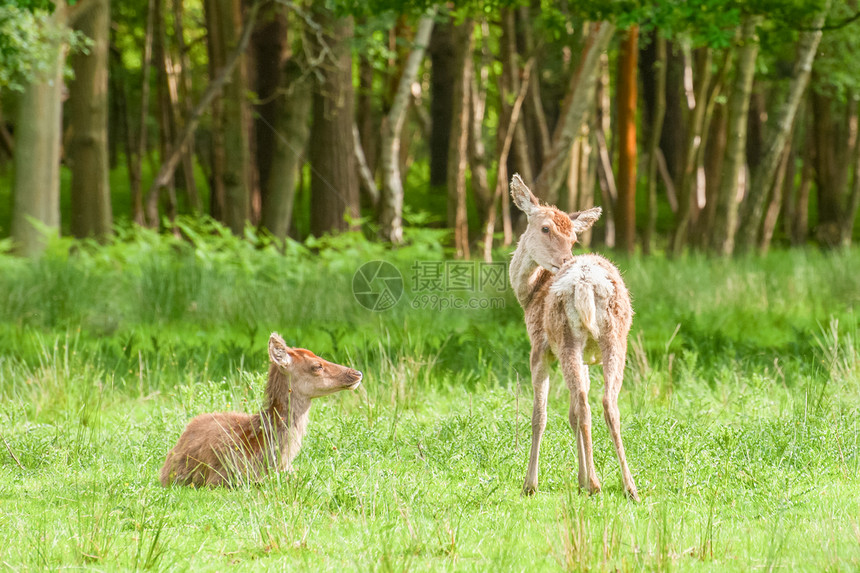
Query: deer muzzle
[{"x": 352, "y": 379}]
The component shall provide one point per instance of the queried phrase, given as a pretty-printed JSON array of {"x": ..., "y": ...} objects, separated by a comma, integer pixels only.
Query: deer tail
[{"x": 586, "y": 310}]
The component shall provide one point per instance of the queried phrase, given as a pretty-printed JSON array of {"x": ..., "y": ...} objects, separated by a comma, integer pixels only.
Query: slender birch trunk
[
  {"x": 657, "y": 115},
  {"x": 520, "y": 156},
  {"x": 768, "y": 225},
  {"x": 391, "y": 200},
  {"x": 726, "y": 215},
  {"x": 509, "y": 125},
  {"x": 685, "y": 183}
]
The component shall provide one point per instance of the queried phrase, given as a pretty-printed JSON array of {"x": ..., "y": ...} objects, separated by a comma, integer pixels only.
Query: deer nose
[
  {"x": 565, "y": 260},
  {"x": 355, "y": 374}
]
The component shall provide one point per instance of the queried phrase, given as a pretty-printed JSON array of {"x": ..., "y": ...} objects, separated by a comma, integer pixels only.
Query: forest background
[{"x": 715, "y": 125}]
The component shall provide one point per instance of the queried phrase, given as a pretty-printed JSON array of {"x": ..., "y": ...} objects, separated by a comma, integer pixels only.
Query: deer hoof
[{"x": 529, "y": 489}]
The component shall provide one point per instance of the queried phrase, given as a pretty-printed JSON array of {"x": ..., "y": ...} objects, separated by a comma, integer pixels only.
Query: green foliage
[
  {"x": 29, "y": 37},
  {"x": 837, "y": 68},
  {"x": 704, "y": 22}
]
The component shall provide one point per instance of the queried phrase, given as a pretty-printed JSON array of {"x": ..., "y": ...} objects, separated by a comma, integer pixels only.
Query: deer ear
[
  {"x": 522, "y": 196},
  {"x": 583, "y": 220},
  {"x": 279, "y": 352}
]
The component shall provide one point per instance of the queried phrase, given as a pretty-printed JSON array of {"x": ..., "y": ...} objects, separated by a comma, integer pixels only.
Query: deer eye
[
  {"x": 316, "y": 367},
  {"x": 545, "y": 229}
]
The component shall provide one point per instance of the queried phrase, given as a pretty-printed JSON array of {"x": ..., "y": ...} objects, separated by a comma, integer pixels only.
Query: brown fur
[
  {"x": 577, "y": 310},
  {"x": 562, "y": 221},
  {"x": 230, "y": 448}
]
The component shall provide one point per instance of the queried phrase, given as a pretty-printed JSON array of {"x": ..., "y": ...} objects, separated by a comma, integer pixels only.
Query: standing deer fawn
[
  {"x": 577, "y": 310},
  {"x": 230, "y": 448}
]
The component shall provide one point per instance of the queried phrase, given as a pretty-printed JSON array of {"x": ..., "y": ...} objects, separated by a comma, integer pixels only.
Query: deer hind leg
[
  {"x": 580, "y": 443},
  {"x": 578, "y": 382},
  {"x": 540, "y": 383},
  {"x": 613, "y": 373}
]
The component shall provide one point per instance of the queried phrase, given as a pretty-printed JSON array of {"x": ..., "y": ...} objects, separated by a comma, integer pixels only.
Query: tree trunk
[
  {"x": 768, "y": 225},
  {"x": 457, "y": 154},
  {"x": 167, "y": 128},
  {"x": 833, "y": 140},
  {"x": 685, "y": 182},
  {"x": 442, "y": 74},
  {"x": 658, "y": 112},
  {"x": 36, "y": 207},
  {"x": 7, "y": 142},
  {"x": 714, "y": 154},
  {"x": 368, "y": 125},
  {"x": 476, "y": 149},
  {"x": 580, "y": 179},
  {"x": 334, "y": 182},
  {"x": 508, "y": 126},
  {"x": 830, "y": 174},
  {"x": 368, "y": 183},
  {"x": 88, "y": 117},
  {"x": 778, "y": 137},
  {"x": 520, "y": 158},
  {"x": 576, "y": 105},
  {"x": 726, "y": 215},
  {"x": 626, "y": 99},
  {"x": 608, "y": 189},
  {"x": 183, "y": 141},
  {"x": 789, "y": 191},
  {"x": 534, "y": 117},
  {"x": 231, "y": 167},
  {"x": 755, "y": 127},
  {"x": 137, "y": 154},
  {"x": 852, "y": 204},
  {"x": 674, "y": 129},
  {"x": 270, "y": 51},
  {"x": 183, "y": 105},
  {"x": 292, "y": 129},
  {"x": 391, "y": 215},
  {"x": 799, "y": 221}
]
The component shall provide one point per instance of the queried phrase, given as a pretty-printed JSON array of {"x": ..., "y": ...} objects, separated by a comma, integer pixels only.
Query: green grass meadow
[{"x": 740, "y": 414}]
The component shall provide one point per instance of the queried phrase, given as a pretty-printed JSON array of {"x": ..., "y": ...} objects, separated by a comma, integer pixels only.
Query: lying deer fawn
[
  {"x": 230, "y": 448},
  {"x": 577, "y": 310}
]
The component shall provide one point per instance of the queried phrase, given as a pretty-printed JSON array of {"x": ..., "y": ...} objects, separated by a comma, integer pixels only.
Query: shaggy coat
[{"x": 577, "y": 310}]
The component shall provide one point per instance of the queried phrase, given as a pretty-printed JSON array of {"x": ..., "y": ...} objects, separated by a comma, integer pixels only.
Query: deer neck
[
  {"x": 288, "y": 413},
  {"x": 526, "y": 275}
]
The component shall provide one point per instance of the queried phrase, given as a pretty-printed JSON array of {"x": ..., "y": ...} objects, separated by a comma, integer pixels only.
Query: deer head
[
  {"x": 551, "y": 232},
  {"x": 309, "y": 375}
]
